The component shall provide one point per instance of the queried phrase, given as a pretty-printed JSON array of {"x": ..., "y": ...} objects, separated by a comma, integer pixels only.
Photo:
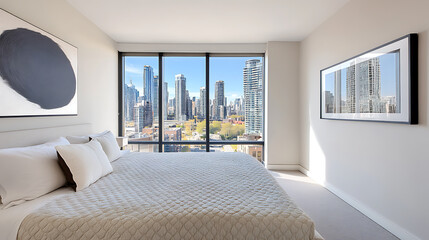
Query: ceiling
[{"x": 207, "y": 21}]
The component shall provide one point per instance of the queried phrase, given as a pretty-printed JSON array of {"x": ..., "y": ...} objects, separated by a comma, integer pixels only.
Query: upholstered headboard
[{"x": 27, "y": 137}]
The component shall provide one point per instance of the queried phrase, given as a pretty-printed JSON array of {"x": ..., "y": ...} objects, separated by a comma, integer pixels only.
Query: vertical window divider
[
  {"x": 120, "y": 94},
  {"x": 160, "y": 102},
  {"x": 207, "y": 102}
]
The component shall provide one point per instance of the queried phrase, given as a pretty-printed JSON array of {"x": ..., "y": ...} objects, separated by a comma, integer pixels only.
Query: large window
[{"x": 192, "y": 102}]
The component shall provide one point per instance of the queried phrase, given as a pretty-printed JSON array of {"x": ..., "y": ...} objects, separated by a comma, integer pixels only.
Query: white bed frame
[{"x": 27, "y": 137}]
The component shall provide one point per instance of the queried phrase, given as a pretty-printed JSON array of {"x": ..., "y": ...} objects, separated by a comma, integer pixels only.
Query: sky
[
  {"x": 387, "y": 77},
  {"x": 227, "y": 69}
]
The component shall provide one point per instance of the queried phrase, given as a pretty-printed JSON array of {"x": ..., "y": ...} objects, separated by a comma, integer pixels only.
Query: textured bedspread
[{"x": 172, "y": 196}]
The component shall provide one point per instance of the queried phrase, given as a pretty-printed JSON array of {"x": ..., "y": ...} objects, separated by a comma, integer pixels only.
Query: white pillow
[
  {"x": 29, "y": 172},
  {"x": 78, "y": 139},
  {"x": 109, "y": 144},
  {"x": 83, "y": 164}
]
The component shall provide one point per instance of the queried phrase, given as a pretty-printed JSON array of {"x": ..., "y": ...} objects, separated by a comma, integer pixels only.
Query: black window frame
[{"x": 160, "y": 142}]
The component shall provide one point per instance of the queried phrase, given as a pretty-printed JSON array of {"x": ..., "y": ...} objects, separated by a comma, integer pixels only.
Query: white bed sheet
[{"x": 11, "y": 218}]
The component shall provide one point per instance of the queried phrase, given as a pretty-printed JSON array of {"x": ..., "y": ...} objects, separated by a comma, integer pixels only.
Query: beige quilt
[{"x": 174, "y": 196}]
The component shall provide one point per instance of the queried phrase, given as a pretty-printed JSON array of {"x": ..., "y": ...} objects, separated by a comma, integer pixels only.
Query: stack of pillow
[{"x": 27, "y": 173}]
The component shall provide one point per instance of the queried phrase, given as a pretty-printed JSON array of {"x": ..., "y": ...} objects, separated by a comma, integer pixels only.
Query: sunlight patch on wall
[{"x": 317, "y": 158}]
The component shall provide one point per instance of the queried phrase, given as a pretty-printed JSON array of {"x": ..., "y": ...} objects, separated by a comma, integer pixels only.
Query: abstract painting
[
  {"x": 378, "y": 85},
  {"x": 38, "y": 71}
]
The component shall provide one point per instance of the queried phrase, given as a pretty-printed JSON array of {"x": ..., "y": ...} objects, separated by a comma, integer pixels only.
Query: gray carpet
[{"x": 334, "y": 218}]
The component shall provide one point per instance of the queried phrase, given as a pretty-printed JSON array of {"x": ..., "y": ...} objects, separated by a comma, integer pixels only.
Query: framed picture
[
  {"x": 38, "y": 71},
  {"x": 378, "y": 85}
]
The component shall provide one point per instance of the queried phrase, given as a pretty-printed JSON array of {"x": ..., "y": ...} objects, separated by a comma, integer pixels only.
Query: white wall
[
  {"x": 97, "y": 65},
  {"x": 380, "y": 168},
  {"x": 282, "y": 109},
  {"x": 193, "y": 47}
]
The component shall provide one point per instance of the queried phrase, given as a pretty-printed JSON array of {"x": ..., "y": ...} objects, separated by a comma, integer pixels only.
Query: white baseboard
[
  {"x": 284, "y": 167},
  {"x": 373, "y": 215}
]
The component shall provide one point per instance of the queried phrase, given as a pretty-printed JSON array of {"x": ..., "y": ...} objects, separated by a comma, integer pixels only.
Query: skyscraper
[
  {"x": 197, "y": 107},
  {"x": 147, "y": 114},
  {"x": 329, "y": 102},
  {"x": 138, "y": 117},
  {"x": 219, "y": 100},
  {"x": 131, "y": 95},
  {"x": 202, "y": 107},
  {"x": 363, "y": 92},
  {"x": 142, "y": 116},
  {"x": 155, "y": 100},
  {"x": 252, "y": 86},
  {"x": 165, "y": 99},
  {"x": 180, "y": 96},
  {"x": 147, "y": 82},
  {"x": 238, "y": 106},
  {"x": 188, "y": 106},
  {"x": 351, "y": 89}
]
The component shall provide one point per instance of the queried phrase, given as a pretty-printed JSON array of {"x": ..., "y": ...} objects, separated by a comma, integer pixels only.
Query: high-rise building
[
  {"x": 147, "y": 115},
  {"x": 329, "y": 102},
  {"x": 188, "y": 106},
  {"x": 369, "y": 86},
  {"x": 363, "y": 92},
  {"x": 219, "y": 100},
  {"x": 350, "y": 90},
  {"x": 147, "y": 82},
  {"x": 222, "y": 112},
  {"x": 252, "y": 85},
  {"x": 138, "y": 117},
  {"x": 142, "y": 116},
  {"x": 197, "y": 107},
  {"x": 194, "y": 107},
  {"x": 238, "y": 106},
  {"x": 180, "y": 107},
  {"x": 131, "y": 95},
  {"x": 165, "y": 99},
  {"x": 337, "y": 92},
  {"x": 155, "y": 99},
  {"x": 202, "y": 108}
]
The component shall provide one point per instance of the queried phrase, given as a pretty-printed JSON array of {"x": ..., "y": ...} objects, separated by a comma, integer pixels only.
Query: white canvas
[{"x": 14, "y": 104}]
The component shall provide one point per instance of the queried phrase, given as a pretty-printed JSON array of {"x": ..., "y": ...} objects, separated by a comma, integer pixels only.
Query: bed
[{"x": 167, "y": 196}]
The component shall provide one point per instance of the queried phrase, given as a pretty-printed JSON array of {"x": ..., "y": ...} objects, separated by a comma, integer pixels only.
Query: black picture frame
[{"x": 379, "y": 85}]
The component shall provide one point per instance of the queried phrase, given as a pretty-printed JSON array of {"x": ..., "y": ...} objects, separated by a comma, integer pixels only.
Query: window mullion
[
  {"x": 207, "y": 102},
  {"x": 160, "y": 106},
  {"x": 121, "y": 94}
]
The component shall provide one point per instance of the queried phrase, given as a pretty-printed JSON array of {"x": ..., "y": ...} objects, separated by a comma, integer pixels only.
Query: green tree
[
  {"x": 215, "y": 127},
  {"x": 201, "y": 126},
  {"x": 226, "y": 129},
  {"x": 230, "y": 131}
]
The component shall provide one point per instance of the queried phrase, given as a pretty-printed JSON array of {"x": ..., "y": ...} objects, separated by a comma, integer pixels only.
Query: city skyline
[
  {"x": 238, "y": 117},
  {"x": 359, "y": 87},
  {"x": 387, "y": 73}
]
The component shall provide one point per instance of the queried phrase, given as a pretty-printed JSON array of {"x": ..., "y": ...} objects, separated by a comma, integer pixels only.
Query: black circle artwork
[{"x": 36, "y": 68}]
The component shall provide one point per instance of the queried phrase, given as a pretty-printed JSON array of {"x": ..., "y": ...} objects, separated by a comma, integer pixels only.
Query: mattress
[{"x": 174, "y": 196}]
